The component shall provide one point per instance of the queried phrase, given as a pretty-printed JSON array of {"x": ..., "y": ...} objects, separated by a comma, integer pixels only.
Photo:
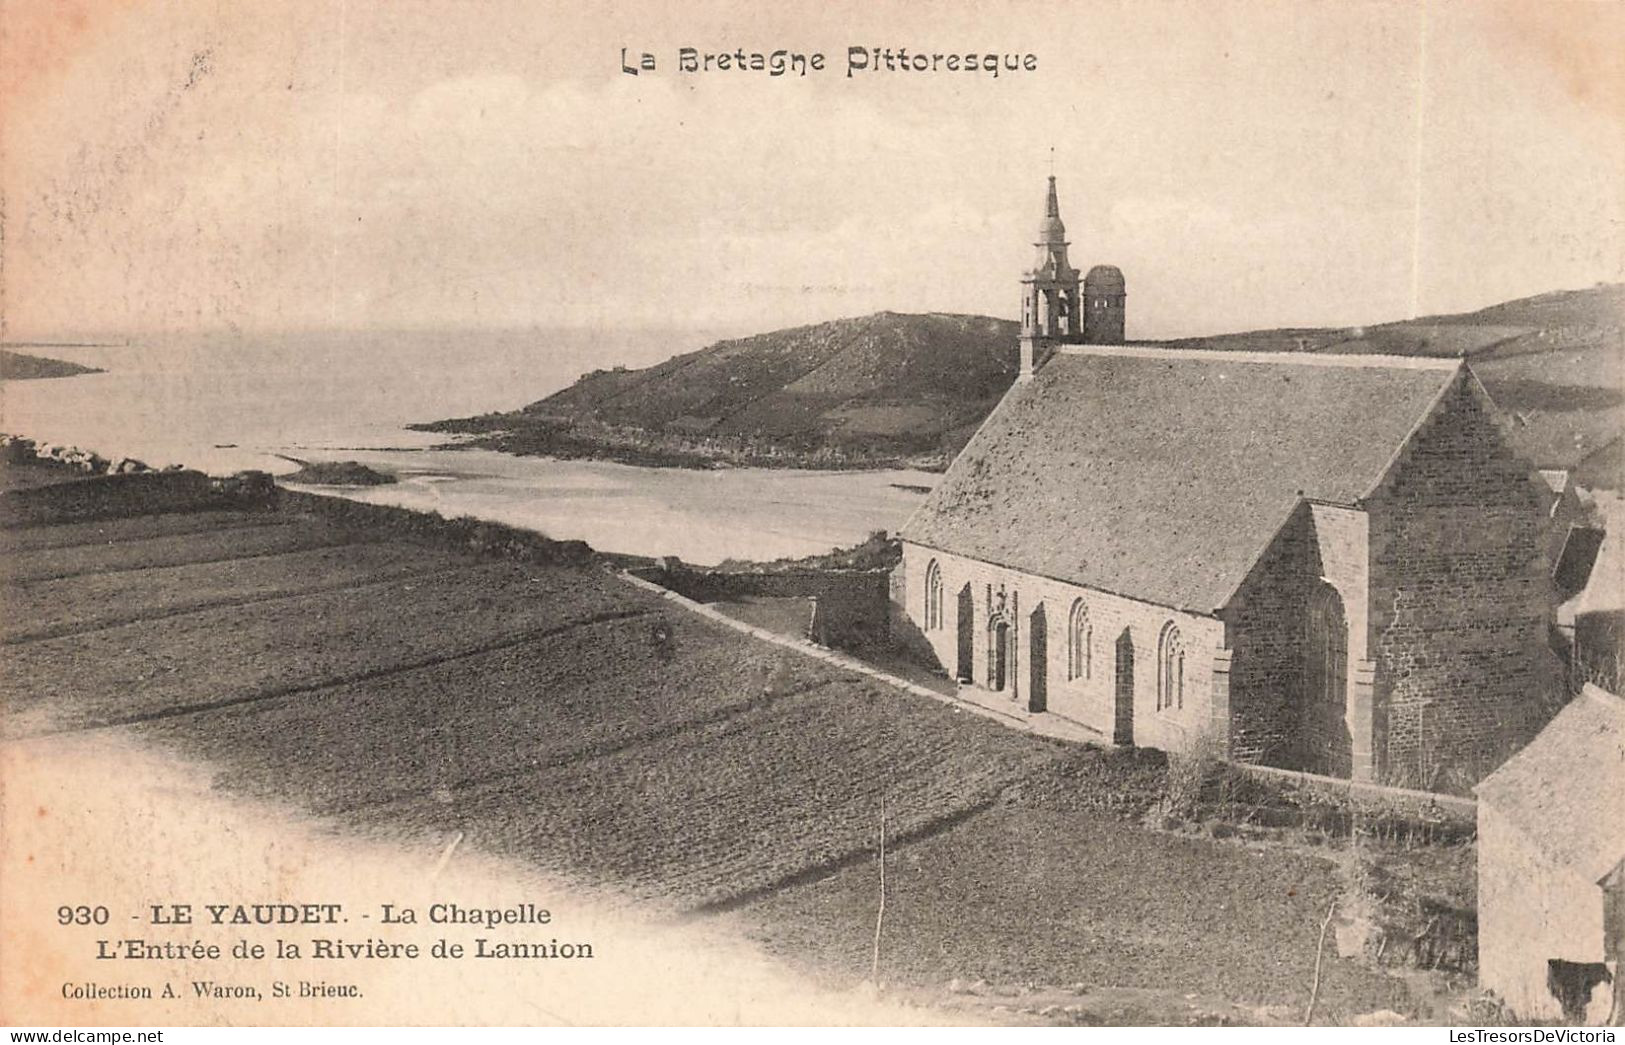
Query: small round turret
[{"x": 1104, "y": 305}]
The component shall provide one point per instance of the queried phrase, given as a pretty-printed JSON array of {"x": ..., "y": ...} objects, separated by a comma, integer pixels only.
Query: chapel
[{"x": 1324, "y": 562}]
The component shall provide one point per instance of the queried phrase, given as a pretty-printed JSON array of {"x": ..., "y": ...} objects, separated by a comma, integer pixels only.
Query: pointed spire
[{"x": 1052, "y": 231}]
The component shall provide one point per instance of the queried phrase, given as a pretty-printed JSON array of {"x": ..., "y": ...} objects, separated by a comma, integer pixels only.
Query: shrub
[{"x": 1188, "y": 774}]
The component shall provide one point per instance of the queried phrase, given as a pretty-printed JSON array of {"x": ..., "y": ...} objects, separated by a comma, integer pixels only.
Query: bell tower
[{"x": 1051, "y": 305}]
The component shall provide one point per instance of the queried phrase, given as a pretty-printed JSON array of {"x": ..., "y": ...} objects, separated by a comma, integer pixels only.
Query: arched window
[
  {"x": 1328, "y": 652},
  {"x": 1079, "y": 642},
  {"x": 1170, "y": 669},
  {"x": 933, "y": 596}
]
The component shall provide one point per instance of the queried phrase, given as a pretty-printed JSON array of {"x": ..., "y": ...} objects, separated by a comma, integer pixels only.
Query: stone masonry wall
[
  {"x": 1338, "y": 739},
  {"x": 1089, "y": 699},
  {"x": 1461, "y": 606},
  {"x": 1266, "y": 634},
  {"x": 1274, "y": 721},
  {"x": 851, "y": 607}
]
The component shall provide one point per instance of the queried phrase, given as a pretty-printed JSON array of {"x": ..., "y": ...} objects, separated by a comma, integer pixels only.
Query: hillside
[
  {"x": 1553, "y": 363},
  {"x": 872, "y": 391},
  {"x": 893, "y": 389},
  {"x": 17, "y": 366},
  {"x": 426, "y": 685}
]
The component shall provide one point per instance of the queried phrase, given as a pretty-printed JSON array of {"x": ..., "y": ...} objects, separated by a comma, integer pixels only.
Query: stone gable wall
[{"x": 1461, "y": 603}]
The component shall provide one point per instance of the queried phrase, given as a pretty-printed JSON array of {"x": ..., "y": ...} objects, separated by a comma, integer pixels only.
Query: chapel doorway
[
  {"x": 966, "y": 624},
  {"x": 1123, "y": 709},
  {"x": 1037, "y": 661}
]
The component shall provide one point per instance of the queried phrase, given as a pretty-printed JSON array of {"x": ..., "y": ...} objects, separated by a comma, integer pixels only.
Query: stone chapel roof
[
  {"x": 1162, "y": 474},
  {"x": 1565, "y": 791}
]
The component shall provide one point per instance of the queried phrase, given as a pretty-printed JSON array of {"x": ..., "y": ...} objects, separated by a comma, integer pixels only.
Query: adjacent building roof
[
  {"x": 1565, "y": 792},
  {"x": 1163, "y": 474}
]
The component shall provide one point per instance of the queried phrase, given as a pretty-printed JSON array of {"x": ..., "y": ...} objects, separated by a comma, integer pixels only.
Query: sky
[{"x": 202, "y": 165}]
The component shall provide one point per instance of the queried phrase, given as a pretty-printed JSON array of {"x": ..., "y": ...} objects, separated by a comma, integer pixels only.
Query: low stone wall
[
  {"x": 852, "y": 611},
  {"x": 140, "y": 493},
  {"x": 1340, "y": 807},
  {"x": 851, "y": 608},
  {"x": 463, "y": 534}
]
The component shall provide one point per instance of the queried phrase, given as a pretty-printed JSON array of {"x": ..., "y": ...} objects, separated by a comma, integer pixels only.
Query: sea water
[{"x": 224, "y": 403}]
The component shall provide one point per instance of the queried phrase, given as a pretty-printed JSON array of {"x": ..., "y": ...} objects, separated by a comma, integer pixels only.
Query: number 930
[{"x": 81, "y": 915}]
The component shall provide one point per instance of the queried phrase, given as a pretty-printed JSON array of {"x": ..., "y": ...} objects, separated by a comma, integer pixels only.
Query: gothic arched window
[
  {"x": 933, "y": 596},
  {"x": 1328, "y": 652},
  {"x": 1170, "y": 669},
  {"x": 1079, "y": 642}
]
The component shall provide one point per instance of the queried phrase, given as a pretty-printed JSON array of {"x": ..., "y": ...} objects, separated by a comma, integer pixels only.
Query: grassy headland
[
  {"x": 19, "y": 366},
  {"x": 894, "y": 390},
  {"x": 885, "y": 390}
]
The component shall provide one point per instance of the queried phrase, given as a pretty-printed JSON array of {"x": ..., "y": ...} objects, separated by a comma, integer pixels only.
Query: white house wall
[{"x": 1529, "y": 911}]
